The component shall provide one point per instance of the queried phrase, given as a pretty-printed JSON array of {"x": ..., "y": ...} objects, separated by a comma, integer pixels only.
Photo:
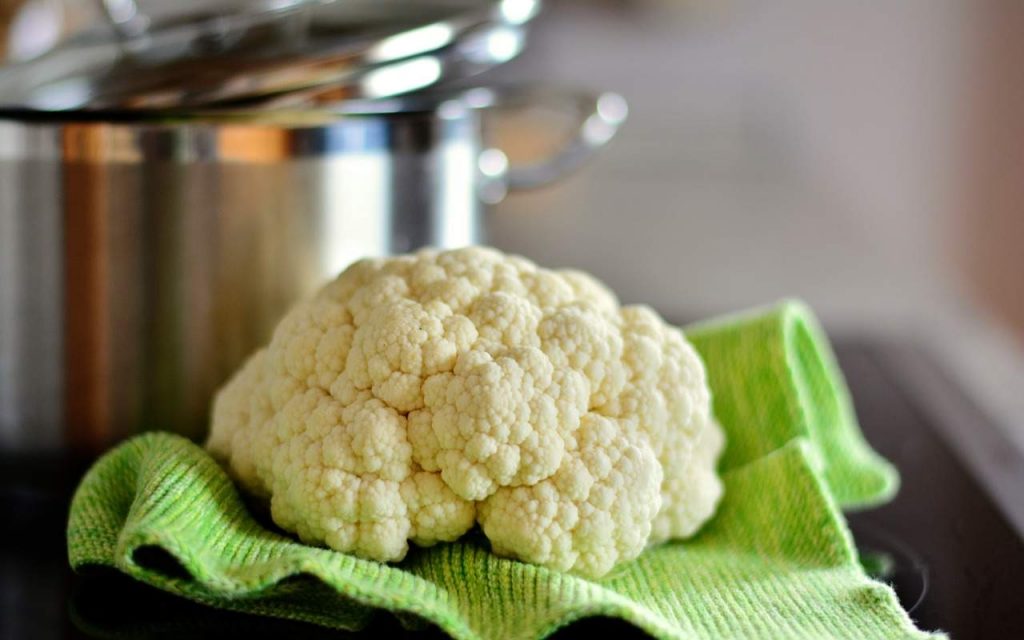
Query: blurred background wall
[
  {"x": 865, "y": 156},
  {"x": 990, "y": 225}
]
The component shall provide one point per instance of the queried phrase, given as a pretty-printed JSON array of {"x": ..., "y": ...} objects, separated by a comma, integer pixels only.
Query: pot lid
[{"x": 358, "y": 48}]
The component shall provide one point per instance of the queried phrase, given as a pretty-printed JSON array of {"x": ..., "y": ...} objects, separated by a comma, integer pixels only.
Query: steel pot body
[{"x": 142, "y": 261}]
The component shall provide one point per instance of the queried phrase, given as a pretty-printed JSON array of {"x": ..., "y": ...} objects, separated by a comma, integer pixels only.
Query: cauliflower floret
[
  {"x": 690, "y": 492},
  {"x": 238, "y": 410},
  {"x": 667, "y": 398},
  {"x": 436, "y": 513},
  {"x": 594, "y": 512},
  {"x": 416, "y": 396},
  {"x": 497, "y": 422}
]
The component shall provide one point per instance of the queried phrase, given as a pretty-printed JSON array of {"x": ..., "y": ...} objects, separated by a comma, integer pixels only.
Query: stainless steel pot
[{"x": 142, "y": 257}]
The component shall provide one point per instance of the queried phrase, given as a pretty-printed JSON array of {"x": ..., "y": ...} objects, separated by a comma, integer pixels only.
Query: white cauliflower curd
[{"x": 416, "y": 396}]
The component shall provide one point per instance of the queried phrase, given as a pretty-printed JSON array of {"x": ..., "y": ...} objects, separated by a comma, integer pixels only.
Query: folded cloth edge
[{"x": 808, "y": 388}]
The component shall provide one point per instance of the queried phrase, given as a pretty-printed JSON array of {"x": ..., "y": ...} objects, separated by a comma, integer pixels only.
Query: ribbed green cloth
[{"x": 777, "y": 561}]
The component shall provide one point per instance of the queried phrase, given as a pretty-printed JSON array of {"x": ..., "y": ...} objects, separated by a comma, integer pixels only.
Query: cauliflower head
[{"x": 414, "y": 397}]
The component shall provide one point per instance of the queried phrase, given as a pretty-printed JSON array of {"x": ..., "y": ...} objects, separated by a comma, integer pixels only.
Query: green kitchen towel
[
  {"x": 775, "y": 379},
  {"x": 777, "y": 561}
]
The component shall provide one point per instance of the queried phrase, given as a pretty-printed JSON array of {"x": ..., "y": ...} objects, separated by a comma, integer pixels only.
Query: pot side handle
[{"x": 598, "y": 117}]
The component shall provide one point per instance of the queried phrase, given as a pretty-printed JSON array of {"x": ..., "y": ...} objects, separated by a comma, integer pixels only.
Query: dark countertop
[{"x": 955, "y": 555}]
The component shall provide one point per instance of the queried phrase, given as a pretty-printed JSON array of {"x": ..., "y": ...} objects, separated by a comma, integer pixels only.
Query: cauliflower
[{"x": 415, "y": 397}]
